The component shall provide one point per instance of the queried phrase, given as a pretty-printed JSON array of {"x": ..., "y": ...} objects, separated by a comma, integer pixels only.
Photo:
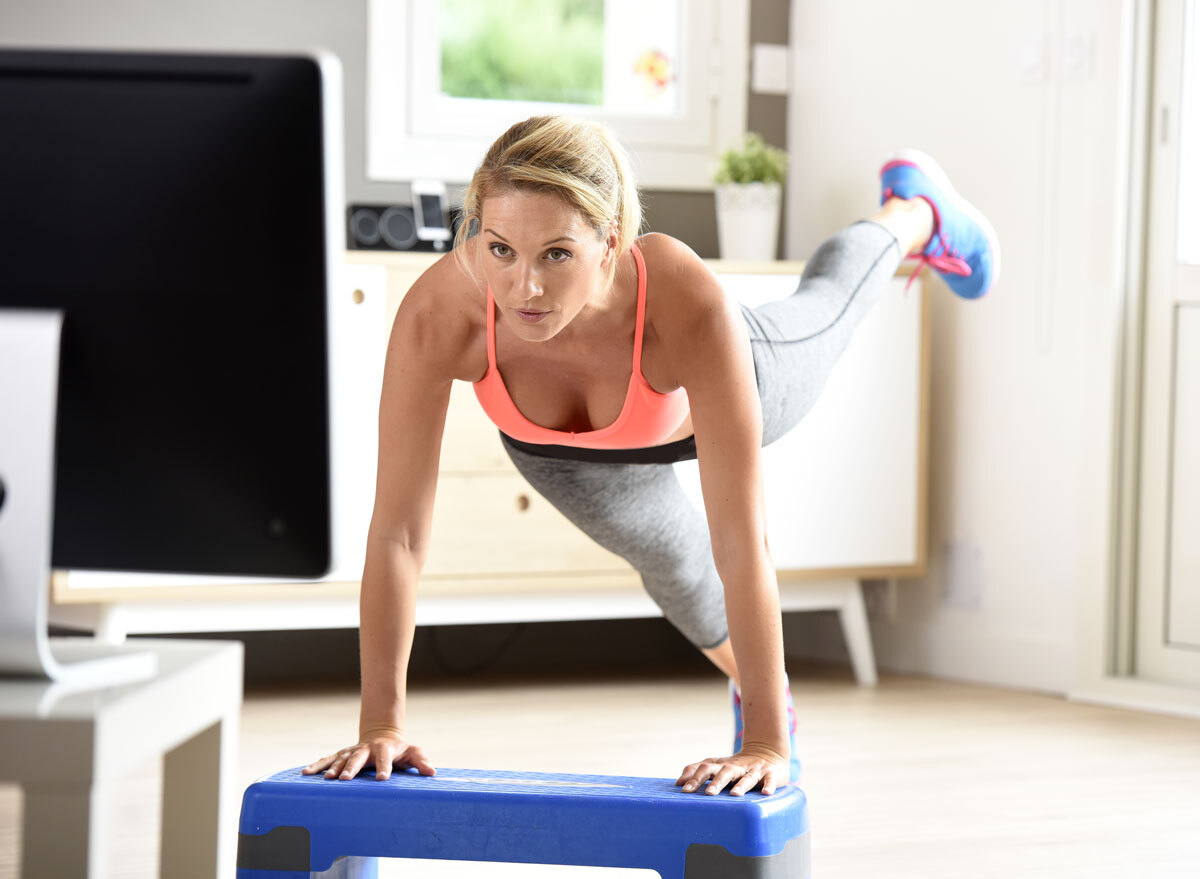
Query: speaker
[
  {"x": 381, "y": 227},
  {"x": 388, "y": 227}
]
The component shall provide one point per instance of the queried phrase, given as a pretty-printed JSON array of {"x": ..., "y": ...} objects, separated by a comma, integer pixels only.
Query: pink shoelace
[{"x": 945, "y": 259}]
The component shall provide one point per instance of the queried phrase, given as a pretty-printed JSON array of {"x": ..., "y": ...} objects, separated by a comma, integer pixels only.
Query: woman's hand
[
  {"x": 754, "y": 766},
  {"x": 381, "y": 748}
]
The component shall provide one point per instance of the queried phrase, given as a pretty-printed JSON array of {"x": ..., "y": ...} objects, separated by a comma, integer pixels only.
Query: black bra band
[{"x": 668, "y": 453}]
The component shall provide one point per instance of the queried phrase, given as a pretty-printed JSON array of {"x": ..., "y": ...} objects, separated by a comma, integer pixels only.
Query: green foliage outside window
[{"x": 524, "y": 50}]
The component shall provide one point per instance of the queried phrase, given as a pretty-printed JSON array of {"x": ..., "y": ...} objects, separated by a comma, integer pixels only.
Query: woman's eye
[
  {"x": 558, "y": 254},
  {"x": 499, "y": 249}
]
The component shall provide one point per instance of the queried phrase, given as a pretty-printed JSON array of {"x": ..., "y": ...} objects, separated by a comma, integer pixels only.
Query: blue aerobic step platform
[{"x": 294, "y": 825}]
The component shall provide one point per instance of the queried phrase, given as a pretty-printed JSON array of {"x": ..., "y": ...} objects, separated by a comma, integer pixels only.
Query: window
[{"x": 446, "y": 77}]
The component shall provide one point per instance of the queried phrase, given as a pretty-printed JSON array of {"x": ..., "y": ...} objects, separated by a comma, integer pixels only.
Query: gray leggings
[{"x": 633, "y": 505}]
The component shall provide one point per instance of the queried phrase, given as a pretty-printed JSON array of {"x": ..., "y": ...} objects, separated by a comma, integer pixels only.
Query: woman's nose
[{"x": 531, "y": 281}]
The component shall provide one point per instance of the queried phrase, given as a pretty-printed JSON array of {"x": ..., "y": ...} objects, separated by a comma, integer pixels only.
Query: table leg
[
  {"x": 199, "y": 804},
  {"x": 65, "y": 833}
]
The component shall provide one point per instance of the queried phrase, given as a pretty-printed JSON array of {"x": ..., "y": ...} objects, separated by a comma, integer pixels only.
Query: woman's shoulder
[
  {"x": 667, "y": 253},
  {"x": 444, "y": 316},
  {"x": 681, "y": 286},
  {"x": 672, "y": 266}
]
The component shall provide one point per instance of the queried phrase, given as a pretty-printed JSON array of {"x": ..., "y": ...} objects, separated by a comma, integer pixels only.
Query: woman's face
[{"x": 543, "y": 261}]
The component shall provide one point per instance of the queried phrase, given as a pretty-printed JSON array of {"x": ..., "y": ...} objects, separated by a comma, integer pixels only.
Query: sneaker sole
[{"x": 934, "y": 172}]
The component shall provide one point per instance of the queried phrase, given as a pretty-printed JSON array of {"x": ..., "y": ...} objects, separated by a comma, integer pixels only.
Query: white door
[{"x": 1168, "y": 570}]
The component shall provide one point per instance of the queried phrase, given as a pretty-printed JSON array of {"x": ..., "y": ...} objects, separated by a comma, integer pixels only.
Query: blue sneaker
[
  {"x": 794, "y": 761},
  {"x": 963, "y": 249}
]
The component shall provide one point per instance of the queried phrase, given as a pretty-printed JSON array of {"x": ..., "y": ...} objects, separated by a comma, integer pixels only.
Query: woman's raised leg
[{"x": 797, "y": 340}]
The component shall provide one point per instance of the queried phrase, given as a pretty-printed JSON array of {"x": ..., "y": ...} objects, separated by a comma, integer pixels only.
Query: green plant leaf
[{"x": 753, "y": 162}]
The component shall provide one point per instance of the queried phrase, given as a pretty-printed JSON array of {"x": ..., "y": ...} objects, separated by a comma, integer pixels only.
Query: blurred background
[{"x": 1043, "y": 441}]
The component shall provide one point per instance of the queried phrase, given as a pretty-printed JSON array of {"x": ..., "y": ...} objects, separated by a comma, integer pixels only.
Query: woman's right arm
[{"x": 419, "y": 370}]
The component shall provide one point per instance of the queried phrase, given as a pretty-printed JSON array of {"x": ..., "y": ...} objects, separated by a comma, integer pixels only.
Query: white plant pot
[{"x": 748, "y": 220}]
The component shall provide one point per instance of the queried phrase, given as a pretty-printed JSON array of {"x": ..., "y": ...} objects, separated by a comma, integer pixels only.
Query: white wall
[{"x": 1023, "y": 380}]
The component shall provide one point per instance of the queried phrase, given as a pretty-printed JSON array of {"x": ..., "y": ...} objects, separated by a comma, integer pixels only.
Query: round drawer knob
[
  {"x": 522, "y": 502},
  {"x": 358, "y": 296}
]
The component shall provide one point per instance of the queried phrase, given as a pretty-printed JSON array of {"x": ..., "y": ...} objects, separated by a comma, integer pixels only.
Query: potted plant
[{"x": 749, "y": 187}]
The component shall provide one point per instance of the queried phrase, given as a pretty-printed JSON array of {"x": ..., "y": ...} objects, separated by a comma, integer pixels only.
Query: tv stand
[{"x": 29, "y": 349}]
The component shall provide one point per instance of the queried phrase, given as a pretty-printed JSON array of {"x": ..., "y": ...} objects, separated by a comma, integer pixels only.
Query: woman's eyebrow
[{"x": 547, "y": 244}]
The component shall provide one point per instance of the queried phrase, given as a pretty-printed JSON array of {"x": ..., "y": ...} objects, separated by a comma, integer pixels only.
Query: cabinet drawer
[{"x": 497, "y": 525}]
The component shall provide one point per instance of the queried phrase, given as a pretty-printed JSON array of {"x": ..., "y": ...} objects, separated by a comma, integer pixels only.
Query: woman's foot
[
  {"x": 963, "y": 249},
  {"x": 736, "y": 698}
]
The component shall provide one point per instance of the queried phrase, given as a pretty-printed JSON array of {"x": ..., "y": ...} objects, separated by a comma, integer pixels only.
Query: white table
[{"x": 63, "y": 748}]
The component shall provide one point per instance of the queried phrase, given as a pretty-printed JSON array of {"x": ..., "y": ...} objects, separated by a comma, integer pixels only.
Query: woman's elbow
[{"x": 737, "y": 559}]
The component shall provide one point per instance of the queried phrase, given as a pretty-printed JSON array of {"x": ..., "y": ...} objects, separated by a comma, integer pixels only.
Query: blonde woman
[{"x": 605, "y": 357}]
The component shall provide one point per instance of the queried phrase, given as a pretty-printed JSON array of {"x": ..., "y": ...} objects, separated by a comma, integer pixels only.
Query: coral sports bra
[{"x": 648, "y": 418}]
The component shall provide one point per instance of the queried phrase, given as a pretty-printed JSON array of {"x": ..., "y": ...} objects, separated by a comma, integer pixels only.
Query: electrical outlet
[
  {"x": 769, "y": 69},
  {"x": 962, "y": 581},
  {"x": 1078, "y": 54},
  {"x": 1031, "y": 57}
]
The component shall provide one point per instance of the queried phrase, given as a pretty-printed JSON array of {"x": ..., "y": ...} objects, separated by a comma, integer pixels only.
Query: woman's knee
[{"x": 695, "y": 607}]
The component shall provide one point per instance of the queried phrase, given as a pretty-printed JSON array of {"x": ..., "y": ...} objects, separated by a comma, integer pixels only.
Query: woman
[{"x": 554, "y": 252}]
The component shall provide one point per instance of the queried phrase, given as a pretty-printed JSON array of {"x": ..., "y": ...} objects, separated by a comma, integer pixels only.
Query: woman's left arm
[{"x": 713, "y": 362}]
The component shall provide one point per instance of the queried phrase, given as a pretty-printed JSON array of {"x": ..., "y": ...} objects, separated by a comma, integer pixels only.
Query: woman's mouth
[{"x": 531, "y": 317}]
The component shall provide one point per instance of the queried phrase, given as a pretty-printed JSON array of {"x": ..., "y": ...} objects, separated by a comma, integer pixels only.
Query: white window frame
[{"x": 411, "y": 132}]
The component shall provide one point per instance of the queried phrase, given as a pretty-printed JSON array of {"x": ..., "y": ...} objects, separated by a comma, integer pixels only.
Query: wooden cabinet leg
[{"x": 853, "y": 615}]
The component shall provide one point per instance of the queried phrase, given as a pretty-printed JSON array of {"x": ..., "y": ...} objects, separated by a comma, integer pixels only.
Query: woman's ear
[{"x": 610, "y": 243}]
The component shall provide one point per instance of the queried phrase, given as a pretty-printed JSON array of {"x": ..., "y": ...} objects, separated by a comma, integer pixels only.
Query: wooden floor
[{"x": 915, "y": 778}]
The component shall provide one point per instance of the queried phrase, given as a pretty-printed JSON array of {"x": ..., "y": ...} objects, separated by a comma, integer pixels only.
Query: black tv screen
[{"x": 173, "y": 207}]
